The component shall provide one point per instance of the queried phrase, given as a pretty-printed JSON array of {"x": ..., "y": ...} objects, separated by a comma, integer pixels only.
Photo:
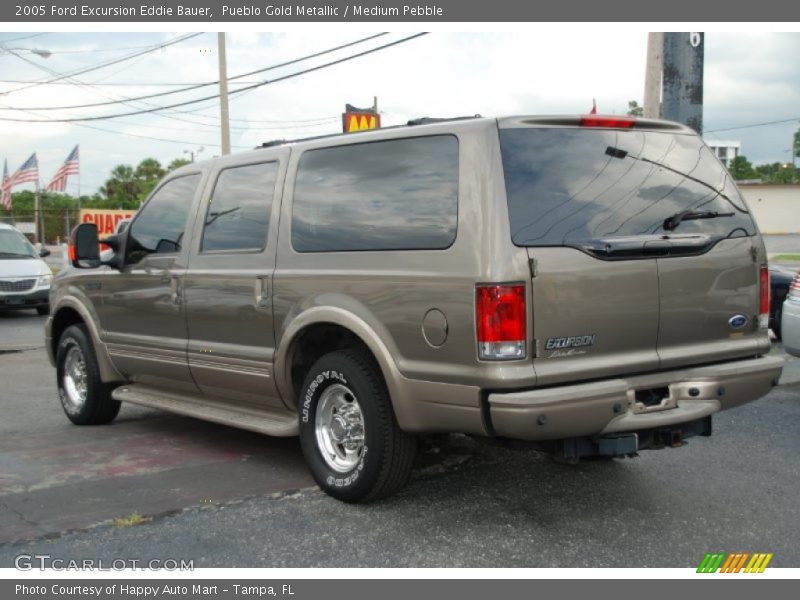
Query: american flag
[
  {"x": 29, "y": 171},
  {"x": 71, "y": 166},
  {"x": 5, "y": 191}
]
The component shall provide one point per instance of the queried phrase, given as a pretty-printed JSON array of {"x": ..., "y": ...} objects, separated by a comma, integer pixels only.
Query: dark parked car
[{"x": 780, "y": 278}]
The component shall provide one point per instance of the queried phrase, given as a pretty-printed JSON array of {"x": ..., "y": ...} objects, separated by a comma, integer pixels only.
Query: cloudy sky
[{"x": 750, "y": 78}]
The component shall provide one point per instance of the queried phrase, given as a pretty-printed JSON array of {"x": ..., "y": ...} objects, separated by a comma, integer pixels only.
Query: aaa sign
[
  {"x": 358, "y": 121},
  {"x": 106, "y": 220}
]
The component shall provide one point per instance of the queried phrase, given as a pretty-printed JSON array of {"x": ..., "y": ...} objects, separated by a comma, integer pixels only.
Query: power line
[
  {"x": 286, "y": 124},
  {"x": 201, "y": 85},
  {"x": 88, "y": 86},
  {"x": 23, "y": 37},
  {"x": 752, "y": 125},
  {"x": 106, "y": 64},
  {"x": 85, "y": 51},
  {"x": 215, "y": 96},
  {"x": 145, "y": 137},
  {"x": 116, "y": 84}
]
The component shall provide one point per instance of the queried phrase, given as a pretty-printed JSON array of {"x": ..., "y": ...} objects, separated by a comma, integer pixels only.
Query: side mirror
[
  {"x": 84, "y": 247},
  {"x": 44, "y": 252},
  {"x": 113, "y": 242}
]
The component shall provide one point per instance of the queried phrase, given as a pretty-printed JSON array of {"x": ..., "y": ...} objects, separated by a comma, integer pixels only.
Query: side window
[
  {"x": 391, "y": 195},
  {"x": 239, "y": 210},
  {"x": 160, "y": 225}
]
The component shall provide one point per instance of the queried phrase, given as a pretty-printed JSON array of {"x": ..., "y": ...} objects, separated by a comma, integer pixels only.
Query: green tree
[
  {"x": 122, "y": 189},
  {"x": 634, "y": 110},
  {"x": 740, "y": 168},
  {"x": 177, "y": 164},
  {"x": 796, "y": 145},
  {"x": 778, "y": 173},
  {"x": 148, "y": 173}
]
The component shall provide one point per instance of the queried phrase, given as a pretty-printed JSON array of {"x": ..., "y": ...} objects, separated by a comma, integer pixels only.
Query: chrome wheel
[
  {"x": 74, "y": 380},
  {"x": 339, "y": 426}
]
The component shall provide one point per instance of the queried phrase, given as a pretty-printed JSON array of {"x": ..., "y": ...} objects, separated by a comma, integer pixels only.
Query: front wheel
[
  {"x": 85, "y": 398},
  {"x": 349, "y": 435}
]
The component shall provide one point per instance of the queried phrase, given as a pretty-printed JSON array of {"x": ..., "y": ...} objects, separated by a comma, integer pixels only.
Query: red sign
[{"x": 106, "y": 220}]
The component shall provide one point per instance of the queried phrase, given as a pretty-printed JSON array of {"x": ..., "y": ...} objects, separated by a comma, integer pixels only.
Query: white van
[{"x": 24, "y": 277}]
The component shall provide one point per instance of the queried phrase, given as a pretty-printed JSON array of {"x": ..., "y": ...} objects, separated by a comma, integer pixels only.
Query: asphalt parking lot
[{"x": 154, "y": 485}]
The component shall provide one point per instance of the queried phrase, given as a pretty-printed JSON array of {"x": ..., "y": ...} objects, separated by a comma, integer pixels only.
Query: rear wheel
[
  {"x": 85, "y": 398},
  {"x": 349, "y": 435}
]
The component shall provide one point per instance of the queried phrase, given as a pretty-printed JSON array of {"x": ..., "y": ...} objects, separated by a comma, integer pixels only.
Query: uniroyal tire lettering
[
  {"x": 319, "y": 379},
  {"x": 352, "y": 477}
]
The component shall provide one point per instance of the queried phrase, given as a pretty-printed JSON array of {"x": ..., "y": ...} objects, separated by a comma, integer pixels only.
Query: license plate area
[
  {"x": 14, "y": 300},
  {"x": 649, "y": 400}
]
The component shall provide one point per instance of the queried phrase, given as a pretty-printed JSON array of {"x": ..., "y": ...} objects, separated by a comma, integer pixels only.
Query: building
[
  {"x": 775, "y": 207},
  {"x": 725, "y": 150}
]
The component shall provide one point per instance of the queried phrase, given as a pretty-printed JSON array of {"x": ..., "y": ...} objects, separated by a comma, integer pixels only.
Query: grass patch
[
  {"x": 130, "y": 521},
  {"x": 786, "y": 258}
]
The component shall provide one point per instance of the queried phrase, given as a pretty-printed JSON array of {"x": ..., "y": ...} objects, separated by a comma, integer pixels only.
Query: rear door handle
[{"x": 262, "y": 293}]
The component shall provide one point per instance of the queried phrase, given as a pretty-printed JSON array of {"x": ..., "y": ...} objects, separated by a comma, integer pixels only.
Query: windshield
[
  {"x": 566, "y": 185},
  {"x": 14, "y": 245}
]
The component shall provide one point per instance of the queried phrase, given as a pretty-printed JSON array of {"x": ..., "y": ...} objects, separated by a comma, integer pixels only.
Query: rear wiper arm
[{"x": 671, "y": 223}]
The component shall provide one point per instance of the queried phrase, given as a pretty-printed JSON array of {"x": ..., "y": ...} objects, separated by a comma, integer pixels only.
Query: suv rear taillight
[
  {"x": 763, "y": 310},
  {"x": 500, "y": 319}
]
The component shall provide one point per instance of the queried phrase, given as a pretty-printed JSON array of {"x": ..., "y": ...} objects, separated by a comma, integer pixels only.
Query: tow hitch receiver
[
  {"x": 572, "y": 450},
  {"x": 628, "y": 444}
]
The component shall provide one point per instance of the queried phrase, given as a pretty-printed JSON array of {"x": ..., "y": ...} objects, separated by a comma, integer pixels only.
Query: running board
[{"x": 268, "y": 421}]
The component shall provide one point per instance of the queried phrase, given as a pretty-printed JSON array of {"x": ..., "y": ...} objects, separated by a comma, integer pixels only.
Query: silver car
[{"x": 790, "y": 323}]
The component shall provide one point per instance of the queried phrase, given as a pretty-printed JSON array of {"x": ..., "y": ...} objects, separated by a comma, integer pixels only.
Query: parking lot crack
[{"x": 19, "y": 514}]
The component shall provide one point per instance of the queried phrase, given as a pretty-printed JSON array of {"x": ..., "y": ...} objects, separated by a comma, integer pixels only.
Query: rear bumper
[{"x": 609, "y": 406}]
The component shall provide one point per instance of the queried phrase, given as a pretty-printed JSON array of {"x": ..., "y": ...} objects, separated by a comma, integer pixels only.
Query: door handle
[
  {"x": 262, "y": 294},
  {"x": 176, "y": 291}
]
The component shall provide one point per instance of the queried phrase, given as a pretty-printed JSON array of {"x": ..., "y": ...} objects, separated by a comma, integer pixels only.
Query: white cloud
[{"x": 750, "y": 78}]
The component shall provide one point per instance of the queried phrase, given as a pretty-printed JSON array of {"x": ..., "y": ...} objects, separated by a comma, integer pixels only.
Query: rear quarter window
[{"x": 388, "y": 195}]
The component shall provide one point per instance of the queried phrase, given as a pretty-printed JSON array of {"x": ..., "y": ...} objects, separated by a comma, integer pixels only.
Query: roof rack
[
  {"x": 427, "y": 120},
  {"x": 410, "y": 123}
]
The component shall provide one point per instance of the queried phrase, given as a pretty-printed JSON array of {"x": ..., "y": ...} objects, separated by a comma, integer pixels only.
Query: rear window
[
  {"x": 390, "y": 195},
  {"x": 570, "y": 185}
]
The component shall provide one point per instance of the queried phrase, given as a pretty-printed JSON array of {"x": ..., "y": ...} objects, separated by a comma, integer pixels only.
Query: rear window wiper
[{"x": 671, "y": 223}]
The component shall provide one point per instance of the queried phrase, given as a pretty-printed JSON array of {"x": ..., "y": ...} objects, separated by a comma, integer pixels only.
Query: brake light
[
  {"x": 500, "y": 319},
  {"x": 72, "y": 255},
  {"x": 763, "y": 311},
  {"x": 607, "y": 121}
]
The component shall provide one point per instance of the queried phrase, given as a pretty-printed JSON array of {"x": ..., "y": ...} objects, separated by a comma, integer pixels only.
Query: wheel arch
[
  {"x": 72, "y": 312},
  {"x": 320, "y": 330}
]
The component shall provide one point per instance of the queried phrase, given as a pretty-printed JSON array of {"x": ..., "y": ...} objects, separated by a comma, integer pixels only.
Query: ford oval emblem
[{"x": 737, "y": 321}]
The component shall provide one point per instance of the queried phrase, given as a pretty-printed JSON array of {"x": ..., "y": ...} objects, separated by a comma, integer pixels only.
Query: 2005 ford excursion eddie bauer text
[{"x": 594, "y": 284}]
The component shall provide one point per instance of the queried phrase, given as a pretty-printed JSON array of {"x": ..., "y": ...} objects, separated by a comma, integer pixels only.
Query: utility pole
[
  {"x": 223, "y": 95},
  {"x": 683, "y": 79},
  {"x": 37, "y": 211},
  {"x": 652, "y": 75}
]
